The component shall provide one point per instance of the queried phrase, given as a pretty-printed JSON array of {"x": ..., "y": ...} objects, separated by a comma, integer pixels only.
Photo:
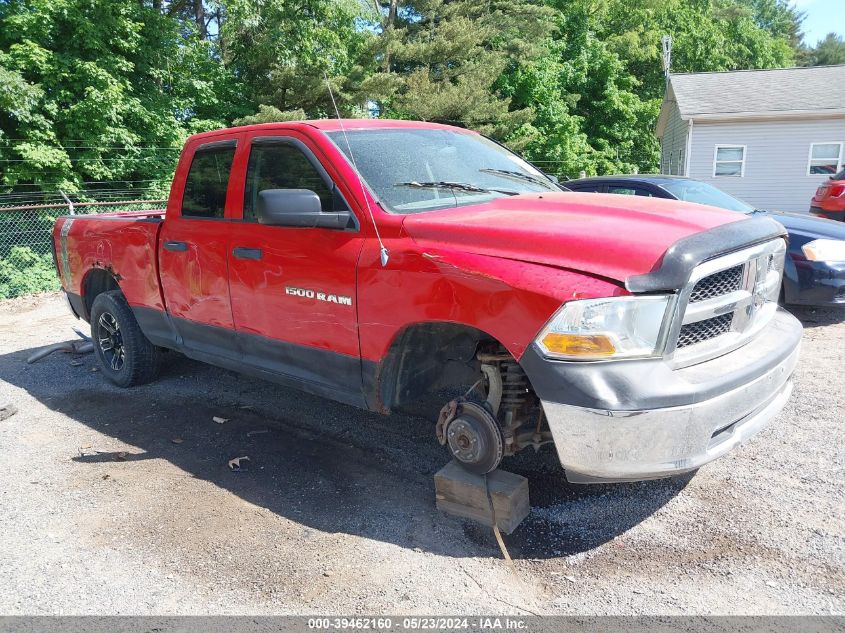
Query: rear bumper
[
  {"x": 710, "y": 408},
  {"x": 830, "y": 215}
]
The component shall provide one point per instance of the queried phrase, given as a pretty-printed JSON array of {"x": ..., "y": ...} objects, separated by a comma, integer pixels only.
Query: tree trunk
[
  {"x": 199, "y": 12},
  {"x": 388, "y": 26}
]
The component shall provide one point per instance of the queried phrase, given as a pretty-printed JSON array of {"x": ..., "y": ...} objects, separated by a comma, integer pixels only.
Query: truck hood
[{"x": 608, "y": 235}]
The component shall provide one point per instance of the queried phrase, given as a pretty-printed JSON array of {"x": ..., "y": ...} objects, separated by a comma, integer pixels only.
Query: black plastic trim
[
  {"x": 77, "y": 305},
  {"x": 157, "y": 326},
  {"x": 231, "y": 142},
  {"x": 683, "y": 256},
  {"x": 310, "y": 369}
]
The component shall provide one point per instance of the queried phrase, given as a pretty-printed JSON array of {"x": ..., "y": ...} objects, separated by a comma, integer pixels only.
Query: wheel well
[
  {"x": 430, "y": 356},
  {"x": 95, "y": 283}
]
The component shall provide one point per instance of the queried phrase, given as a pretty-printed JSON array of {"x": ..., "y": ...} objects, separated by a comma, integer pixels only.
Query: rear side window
[
  {"x": 281, "y": 166},
  {"x": 207, "y": 182}
]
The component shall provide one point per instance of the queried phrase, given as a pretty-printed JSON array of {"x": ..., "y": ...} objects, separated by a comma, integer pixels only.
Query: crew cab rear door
[
  {"x": 193, "y": 251},
  {"x": 293, "y": 289}
]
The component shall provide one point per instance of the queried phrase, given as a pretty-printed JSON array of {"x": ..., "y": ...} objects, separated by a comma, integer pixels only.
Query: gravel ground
[{"x": 121, "y": 502}]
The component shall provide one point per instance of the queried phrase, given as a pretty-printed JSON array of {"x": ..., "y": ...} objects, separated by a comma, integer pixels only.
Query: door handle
[
  {"x": 241, "y": 252},
  {"x": 176, "y": 246}
]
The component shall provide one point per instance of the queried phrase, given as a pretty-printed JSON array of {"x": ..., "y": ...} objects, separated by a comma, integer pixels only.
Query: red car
[
  {"x": 829, "y": 201},
  {"x": 374, "y": 262}
]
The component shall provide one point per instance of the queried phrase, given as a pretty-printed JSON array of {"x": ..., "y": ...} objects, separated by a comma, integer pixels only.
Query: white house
[{"x": 769, "y": 137}]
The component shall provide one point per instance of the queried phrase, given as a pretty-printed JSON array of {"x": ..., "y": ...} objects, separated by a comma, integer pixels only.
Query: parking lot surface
[{"x": 122, "y": 502}]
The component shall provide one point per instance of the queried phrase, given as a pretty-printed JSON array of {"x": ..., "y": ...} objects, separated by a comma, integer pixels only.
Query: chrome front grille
[
  {"x": 718, "y": 284},
  {"x": 727, "y": 300},
  {"x": 700, "y": 331}
]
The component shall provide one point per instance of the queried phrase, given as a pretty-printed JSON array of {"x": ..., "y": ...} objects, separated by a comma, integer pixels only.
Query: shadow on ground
[
  {"x": 324, "y": 465},
  {"x": 813, "y": 317}
]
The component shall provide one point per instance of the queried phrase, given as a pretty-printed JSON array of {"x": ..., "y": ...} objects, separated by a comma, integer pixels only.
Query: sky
[{"x": 823, "y": 17}]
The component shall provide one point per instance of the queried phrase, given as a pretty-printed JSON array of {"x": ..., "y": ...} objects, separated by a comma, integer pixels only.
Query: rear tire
[{"x": 127, "y": 358}]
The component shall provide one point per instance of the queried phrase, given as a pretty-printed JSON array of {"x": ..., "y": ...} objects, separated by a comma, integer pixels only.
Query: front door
[
  {"x": 193, "y": 255},
  {"x": 293, "y": 289}
]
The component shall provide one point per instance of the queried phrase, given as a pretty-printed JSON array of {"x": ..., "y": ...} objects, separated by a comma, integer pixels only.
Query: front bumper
[
  {"x": 819, "y": 284},
  {"x": 653, "y": 421}
]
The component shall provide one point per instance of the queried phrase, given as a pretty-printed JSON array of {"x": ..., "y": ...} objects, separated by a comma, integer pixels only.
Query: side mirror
[
  {"x": 297, "y": 207},
  {"x": 552, "y": 177}
]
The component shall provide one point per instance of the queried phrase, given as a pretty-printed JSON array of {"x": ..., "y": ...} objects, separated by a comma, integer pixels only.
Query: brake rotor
[{"x": 475, "y": 439}]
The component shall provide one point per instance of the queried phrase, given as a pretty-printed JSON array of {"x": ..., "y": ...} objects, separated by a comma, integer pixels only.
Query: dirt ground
[{"x": 121, "y": 502}]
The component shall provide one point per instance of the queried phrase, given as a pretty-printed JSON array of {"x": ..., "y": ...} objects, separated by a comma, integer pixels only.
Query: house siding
[
  {"x": 776, "y": 158},
  {"x": 673, "y": 145}
]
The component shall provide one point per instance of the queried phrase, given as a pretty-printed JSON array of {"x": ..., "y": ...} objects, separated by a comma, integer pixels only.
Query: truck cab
[{"x": 373, "y": 262}]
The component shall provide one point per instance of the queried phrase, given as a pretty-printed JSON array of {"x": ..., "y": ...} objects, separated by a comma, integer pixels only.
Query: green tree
[
  {"x": 110, "y": 90},
  {"x": 596, "y": 91},
  {"x": 827, "y": 52},
  {"x": 444, "y": 61},
  {"x": 588, "y": 114},
  {"x": 707, "y": 35},
  {"x": 281, "y": 50}
]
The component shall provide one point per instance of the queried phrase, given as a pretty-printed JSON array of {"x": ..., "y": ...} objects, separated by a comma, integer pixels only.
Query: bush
[{"x": 23, "y": 271}]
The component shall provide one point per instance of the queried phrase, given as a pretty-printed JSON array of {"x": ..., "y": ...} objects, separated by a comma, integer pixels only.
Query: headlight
[
  {"x": 615, "y": 327},
  {"x": 825, "y": 250}
]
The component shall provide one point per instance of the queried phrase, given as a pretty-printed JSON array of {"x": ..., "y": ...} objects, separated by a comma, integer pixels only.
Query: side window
[
  {"x": 825, "y": 158},
  {"x": 729, "y": 160},
  {"x": 207, "y": 182},
  {"x": 625, "y": 191},
  {"x": 281, "y": 166}
]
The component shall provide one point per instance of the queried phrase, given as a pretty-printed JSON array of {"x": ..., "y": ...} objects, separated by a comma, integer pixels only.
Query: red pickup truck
[{"x": 374, "y": 262}]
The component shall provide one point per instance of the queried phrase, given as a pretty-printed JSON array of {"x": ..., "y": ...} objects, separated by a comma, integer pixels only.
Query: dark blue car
[{"x": 815, "y": 265}]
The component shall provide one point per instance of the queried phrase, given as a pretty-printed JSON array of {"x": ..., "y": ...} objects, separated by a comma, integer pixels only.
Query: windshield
[
  {"x": 702, "y": 193},
  {"x": 413, "y": 169}
]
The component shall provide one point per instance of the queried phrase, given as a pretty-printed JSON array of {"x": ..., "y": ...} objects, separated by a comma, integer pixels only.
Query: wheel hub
[
  {"x": 466, "y": 441},
  {"x": 110, "y": 341}
]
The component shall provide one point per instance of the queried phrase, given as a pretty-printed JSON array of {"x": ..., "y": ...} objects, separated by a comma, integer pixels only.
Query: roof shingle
[{"x": 818, "y": 88}]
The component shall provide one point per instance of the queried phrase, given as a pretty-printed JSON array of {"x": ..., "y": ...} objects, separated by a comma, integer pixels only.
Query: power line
[
  {"x": 81, "y": 160},
  {"x": 109, "y": 147},
  {"x": 84, "y": 182}
]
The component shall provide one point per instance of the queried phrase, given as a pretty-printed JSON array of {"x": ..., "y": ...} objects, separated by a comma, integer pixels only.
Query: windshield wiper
[
  {"x": 518, "y": 175},
  {"x": 460, "y": 186}
]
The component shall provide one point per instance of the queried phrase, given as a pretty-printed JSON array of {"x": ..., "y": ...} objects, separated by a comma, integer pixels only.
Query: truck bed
[{"x": 123, "y": 244}]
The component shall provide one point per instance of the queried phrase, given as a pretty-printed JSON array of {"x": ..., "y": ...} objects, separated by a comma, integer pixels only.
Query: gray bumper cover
[{"x": 727, "y": 400}]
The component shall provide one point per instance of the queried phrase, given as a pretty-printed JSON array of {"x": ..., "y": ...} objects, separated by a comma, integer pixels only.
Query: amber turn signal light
[{"x": 579, "y": 344}]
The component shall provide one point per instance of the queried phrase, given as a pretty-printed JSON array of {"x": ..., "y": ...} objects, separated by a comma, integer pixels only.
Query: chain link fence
[{"x": 26, "y": 224}]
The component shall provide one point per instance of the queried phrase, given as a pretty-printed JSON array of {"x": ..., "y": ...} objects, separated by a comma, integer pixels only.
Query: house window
[
  {"x": 729, "y": 160},
  {"x": 825, "y": 159}
]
